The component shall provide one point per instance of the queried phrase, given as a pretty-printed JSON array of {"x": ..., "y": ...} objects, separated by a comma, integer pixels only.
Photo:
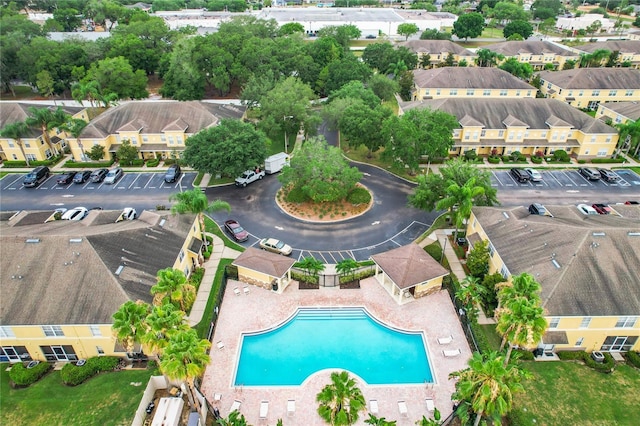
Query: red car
[
  {"x": 602, "y": 208},
  {"x": 236, "y": 231}
]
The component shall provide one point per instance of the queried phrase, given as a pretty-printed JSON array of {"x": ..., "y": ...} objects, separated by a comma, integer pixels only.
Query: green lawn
[
  {"x": 568, "y": 393},
  {"x": 107, "y": 399},
  {"x": 493, "y": 338}
]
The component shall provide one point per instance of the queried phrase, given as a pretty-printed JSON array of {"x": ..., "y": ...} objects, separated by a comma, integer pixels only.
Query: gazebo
[
  {"x": 263, "y": 269},
  {"x": 408, "y": 272}
]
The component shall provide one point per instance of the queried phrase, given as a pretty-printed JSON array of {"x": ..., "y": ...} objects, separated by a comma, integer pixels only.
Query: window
[
  {"x": 11, "y": 144},
  {"x": 470, "y": 92},
  {"x": 543, "y": 134},
  {"x": 579, "y": 341},
  {"x": 501, "y": 133},
  {"x": 586, "y": 152},
  {"x": 52, "y": 331},
  {"x": 618, "y": 343},
  {"x": 549, "y": 86},
  {"x": 453, "y": 92},
  {"x": 554, "y": 136},
  {"x": 41, "y": 142},
  {"x": 186, "y": 271},
  {"x": 95, "y": 330},
  {"x": 99, "y": 350},
  {"x": 528, "y": 93},
  {"x": 492, "y": 250},
  {"x": 181, "y": 255},
  {"x": 581, "y": 93},
  {"x": 170, "y": 140},
  {"x": 31, "y": 157},
  {"x": 618, "y": 119},
  {"x": 626, "y": 322},
  {"x": 145, "y": 139},
  {"x": 504, "y": 272},
  {"x": 613, "y": 92},
  {"x": 585, "y": 322},
  {"x": 629, "y": 93},
  {"x": 595, "y": 93},
  {"x": 134, "y": 141},
  {"x": 503, "y": 92},
  {"x": 553, "y": 323},
  {"x": 15, "y": 157},
  {"x": 118, "y": 138},
  {"x": 519, "y": 136},
  {"x": 570, "y": 93},
  {"x": 438, "y": 92},
  {"x": 466, "y": 136},
  {"x": 608, "y": 139},
  {"x": 48, "y": 153},
  {"x": 456, "y": 133},
  {"x": 27, "y": 145},
  {"x": 511, "y": 135},
  {"x": 483, "y": 133},
  {"x": 593, "y": 138},
  {"x": 486, "y": 92},
  {"x": 6, "y": 331},
  {"x": 526, "y": 133},
  {"x": 163, "y": 138},
  {"x": 517, "y": 93},
  {"x": 602, "y": 153}
]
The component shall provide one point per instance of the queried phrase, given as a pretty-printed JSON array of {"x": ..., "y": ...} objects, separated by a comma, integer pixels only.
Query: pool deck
[{"x": 262, "y": 309}]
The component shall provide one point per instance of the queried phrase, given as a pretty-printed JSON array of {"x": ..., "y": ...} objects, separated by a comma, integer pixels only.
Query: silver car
[{"x": 113, "y": 176}]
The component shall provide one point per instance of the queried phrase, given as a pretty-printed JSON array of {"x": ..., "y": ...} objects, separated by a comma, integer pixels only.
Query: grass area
[
  {"x": 198, "y": 179},
  {"x": 360, "y": 154},
  {"x": 563, "y": 392},
  {"x": 492, "y": 336},
  {"x": 203, "y": 326},
  {"x": 22, "y": 92},
  {"x": 107, "y": 399},
  {"x": 435, "y": 250},
  {"x": 3, "y": 174},
  {"x": 439, "y": 223}
]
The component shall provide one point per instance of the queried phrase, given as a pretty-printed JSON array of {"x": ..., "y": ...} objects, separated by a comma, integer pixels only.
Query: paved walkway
[{"x": 220, "y": 251}]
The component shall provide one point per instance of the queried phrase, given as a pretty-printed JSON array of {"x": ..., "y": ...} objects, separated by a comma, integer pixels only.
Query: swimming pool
[{"x": 315, "y": 339}]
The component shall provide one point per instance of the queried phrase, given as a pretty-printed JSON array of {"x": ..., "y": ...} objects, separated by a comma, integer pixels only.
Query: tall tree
[
  {"x": 162, "y": 322},
  {"x": 470, "y": 295},
  {"x": 172, "y": 287},
  {"x": 195, "y": 201},
  {"x": 459, "y": 201},
  {"x": 468, "y": 25},
  {"x": 129, "y": 323},
  {"x": 89, "y": 90},
  {"x": 347, "y": 266},
  {"x": 487, "y": 58},
  {"x": 524, "y": 28},
  {"x": 518, "y": 69},
  {"x": 362, "y": 125},
  {"x": 311, "y": 266},
  {"x": 45, "y": 120},
  {"x": 75, "y": 126},
  {"x": 185, "y": 358},
  {"x": 487, "y": 386},
  {"x": 17, "y": 131},
  {"x": 407, "y": 30},
  {"x": 383, "y": 87},
  {"x": 115, "y": 75},
  {"x": 521, "y": 323},
  {"x": 127, "y": 153},
  {"x": 341, "y": 400}
]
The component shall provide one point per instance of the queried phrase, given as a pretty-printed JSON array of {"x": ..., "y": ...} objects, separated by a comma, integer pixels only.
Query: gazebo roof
[
  {"x": 409, "y": 265},
  {"x": 265, "y": 262}
]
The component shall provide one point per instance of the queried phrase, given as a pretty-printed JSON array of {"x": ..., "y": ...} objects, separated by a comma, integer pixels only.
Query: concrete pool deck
[{"x": 262, "y": 309}]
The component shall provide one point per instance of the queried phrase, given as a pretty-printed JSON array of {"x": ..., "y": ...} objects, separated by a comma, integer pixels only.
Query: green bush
[
  {"x": 506, "y": 158},
  {"x": 88, "y": 164},
  {"x": 359, "y": 195},
  {"x": 633, "y": 358},
  {"x": 523, "y": 355},
  {"x": 73, "y": 375},
  {"x": 23, "y": 376},
  {"x": 607, "y": 160},
  {"x": 153, "y": 162},
  {"x": 21, "y": 164},
  {"x": 582, "y": 161},
  {"x": 470, "y": 155},
  {"x": 561, "y": 156},
  {"x": 296, "y": 195},
  {"x": 196, "y": 277},
  {"x": 299, "y": 276},
  {"x": 536, "y": 160},
  {"x": 603, "y": 367},
  {"x": 493, "y": 160},
  {"x": 169, "y": 161},
  {"x": 138, "y": 162},
  {"x": 571, "y": 355}
]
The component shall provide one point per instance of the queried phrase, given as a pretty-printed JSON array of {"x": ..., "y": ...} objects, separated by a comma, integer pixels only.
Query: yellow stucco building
[
  {"x": 503, "y": 126},
  {"x": 62, "y": 281},
  {"x": 619, "y": 112},
  {"x": 628, "y": 51},
  {"x": 587, "y": 268},
  {"x": 536, "y": 53},
  {"x": 438, "y": 51}
]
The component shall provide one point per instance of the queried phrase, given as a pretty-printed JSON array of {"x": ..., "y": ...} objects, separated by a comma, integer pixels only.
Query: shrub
[
  {"x": 506, "y": 158},
  {"x": 582, "y": 161},
  {"x": 73, "y": 375},
  {"x": 571, "y": 355},
  {"x": 607, "y": 160},
  {"x": 88, "y": 164},
  {"x": 296, "y": 195},
  {"x": 536, "y": 160},
  {"x": 20, "y": 164},
  {"x": 169, "y": 161},
  {"x": 299, "y": 276},
  {"x": 481, "y": 339},
  {"x": 561, "y": 156},
  {"x": 633, "y": 358},
  {"x": 470, "y": 155},
  {"x": 523, "y": 354},
  {"x": 515, "y": 155},
  {"x": 359, "y": 195},
  {"x": 153, "y": 162},
  {"x": 603, "y": 367},
  {"x": 23, "y": 376},
  {"x": 196, "y": 277},
  {"x": 134, "y": 163},
  {"x": 493, "y": 160}
]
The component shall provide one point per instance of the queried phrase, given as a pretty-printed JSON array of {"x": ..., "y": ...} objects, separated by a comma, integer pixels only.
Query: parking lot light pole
[{"x": 286, "y": 138}]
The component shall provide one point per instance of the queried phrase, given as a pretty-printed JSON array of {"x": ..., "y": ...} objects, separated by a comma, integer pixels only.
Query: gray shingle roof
[
  {"x": 468, "y": 78},
  {"x": 13, "y": 112},
  {"x": 268, "y": 263},
  {"x": 409, "y": 266},
  {"x": 68, "y": 277},
  {"x": 597, "y": 274},
  {"x": 594, "y": 78},
  {"x": 631, "y": 110},
  {"x": 158, "y": 117},
  {"x": 437, "y": 47},
  {"x": 622, "y": 46},
  {"x": 534, "y": 47},
  {"x": 535, "y": 113}
]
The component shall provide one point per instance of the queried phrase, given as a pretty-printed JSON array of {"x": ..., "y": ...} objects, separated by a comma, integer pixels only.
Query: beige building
[
  {"x": 33, "y": 142},
  {"x": 525, "y": 125},
  {"x": 264, "y": 269},
  {"x": 457, "y": 82},
  {"x": 438, "y": 51},
  {"x": 588, "y": 87},
  {"x": 62, "y": 281},
  {"x": 619, "y": 112},
  {"x": 158, "y": 129},
  {"x": 536, "y": 53},
  {"x": 587, "y": 267},
  {"x": 628, "y": 51}
]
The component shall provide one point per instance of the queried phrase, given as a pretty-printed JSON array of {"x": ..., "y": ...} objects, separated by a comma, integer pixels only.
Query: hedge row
[
  {"x": 603, "y": 367},
  {"x": 607, "y": 160},
  {"x": 73, "y": 375},
  {"x": 23, "y": 376},
  {"x": 89, "y": 164},
  {"x": 153, "y": 162},
  {"x": 299, "y": 276},
  {"x": 22, "y": 164},
  {"x": 633, "y": 358}
]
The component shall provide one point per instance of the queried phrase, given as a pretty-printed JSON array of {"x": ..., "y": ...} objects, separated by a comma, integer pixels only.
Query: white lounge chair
[
  {"x": 445, "y": 340},
  {"x": 402, "y": 408},
  {"x": 291, "y": 407},
  {"x": 246, "y": 289},
  {"x": 451, "y": 353},
  {"x": 220, "y": 344},
  {"x": 235, "y": 406},
  {"x": 217, "y": 397},
  {"x": 264, "y": 409},
  {"x": 430, "y": 404},
  {"x": 373, "y": 406},
  {"x": 236, "y": 290}
]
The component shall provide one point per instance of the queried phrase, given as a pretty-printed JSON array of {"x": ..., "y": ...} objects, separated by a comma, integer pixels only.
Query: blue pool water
[{"x": 337, "y": 338}]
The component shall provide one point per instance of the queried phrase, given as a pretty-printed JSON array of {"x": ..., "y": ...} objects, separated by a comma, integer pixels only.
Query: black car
[
  {"x": 82, "y": 177},
  {"x": 608, "y": 175},
  {"x": 173, "y": 173},
  {"x": 36, "y": 177},
  {"x": 520, "y": 175},
  {"x": 591, "y": 174},
  {"x": 98, "y": 175},
  {"x": 66, "y": 178}
]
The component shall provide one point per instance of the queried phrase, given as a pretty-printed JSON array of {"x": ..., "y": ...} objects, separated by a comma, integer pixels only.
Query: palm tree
[
  {"x": 86, "y": 91},
  {"x": 470, "y": 295},
  {"x": 522, "y": 323},
  {"x": 44, "y": 119},
  {"x": 16, "y": 131},
  {"x": 379, "y": 421},
  {"x": 459, "y": 201},
  {"x": 346, "y": 266},
  {"x": 341, "y": 400},
  {"x": 488, "y": 385},
  {"x": 235, "y": 418},
  {"x": 311, "y": 266},
  {"x": 162, "y": 322},
  {"x": 523, "y": 285},
  {"x": 172, "y": 284},
  {"x": 128, "y": 323},
  {"x": 195, "y": 201},
  {"x": 184, "y": 359},
  {"x": 75, "y": 126},
  {"x": 430, "y": 422}
]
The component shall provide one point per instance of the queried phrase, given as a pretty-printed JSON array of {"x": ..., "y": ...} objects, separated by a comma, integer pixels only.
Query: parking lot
[{"x": 568, "y": 179}]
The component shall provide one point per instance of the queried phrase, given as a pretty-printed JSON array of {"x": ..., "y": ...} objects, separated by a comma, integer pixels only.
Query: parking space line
[
  {"x": 148, "y": 182},
  {"x": 134, "y": 180},
  {"x": 12, "y": 182},
  {"x": 496, "y": 176},
  {"x": 552, "y": 174}
]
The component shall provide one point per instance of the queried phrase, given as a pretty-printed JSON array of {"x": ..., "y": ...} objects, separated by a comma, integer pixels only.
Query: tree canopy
[
  {"x": 524, "y": 28},
  {"x": 469, "y": 25}
]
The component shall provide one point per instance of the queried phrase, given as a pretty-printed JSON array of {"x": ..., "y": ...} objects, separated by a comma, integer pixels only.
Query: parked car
[
  {"x": 275, "y": 246},
  {"x": 520, "y": 175},
  {"x": 129, "y": 213},
  {"x": 113, "y": 176},
  {"x": 534, "y": 175},
  {"x": 82, "y": 177},
  {"x": 99, "y": 175},
  {"x": 586, "y": 209},
  {"x": 234, "y": 229},
  {"x": 537, "y": 209},
  {"x": 36, "y": 177},
  {"x": 172, "y": 174},
  {"x": 591, "y": 174},
  {"x": 608, "y": 175},
  {"x": 77, "y": 213},
  {"x": 65, "y": 178},
  {"x": 632, "y": 203},
  {"x": 602, "y": 208}
]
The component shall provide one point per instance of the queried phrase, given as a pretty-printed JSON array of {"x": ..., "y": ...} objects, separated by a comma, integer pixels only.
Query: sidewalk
[{"x": 220, "y": 251}]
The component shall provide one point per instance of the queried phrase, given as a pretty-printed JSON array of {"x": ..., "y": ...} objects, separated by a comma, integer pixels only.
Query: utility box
[{"x": 275, "y": 163}]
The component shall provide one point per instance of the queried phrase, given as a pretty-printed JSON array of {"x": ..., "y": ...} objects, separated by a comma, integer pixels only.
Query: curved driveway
[{"x": 390, "y": 223}]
